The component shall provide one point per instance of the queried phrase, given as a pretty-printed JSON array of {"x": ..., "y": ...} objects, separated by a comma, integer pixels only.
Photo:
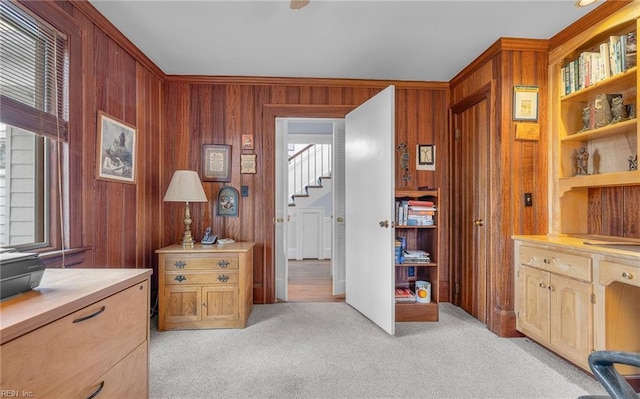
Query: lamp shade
[{"x": 185, "y": 186}]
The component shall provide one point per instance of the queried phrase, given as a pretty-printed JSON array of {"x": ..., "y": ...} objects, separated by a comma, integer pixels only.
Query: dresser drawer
[
  {"x": 193, "y": 261},
  {"x": 612, "y": 271},
  {"x": 558, "y": 262},
  {"x": 77, "y": 348},
  {"x": 201, "y": 278},
  {"x": 127, "y": 379}
]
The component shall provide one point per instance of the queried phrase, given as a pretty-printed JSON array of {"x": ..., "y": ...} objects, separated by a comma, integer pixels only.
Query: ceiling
[{"x": 423, "y": 40}]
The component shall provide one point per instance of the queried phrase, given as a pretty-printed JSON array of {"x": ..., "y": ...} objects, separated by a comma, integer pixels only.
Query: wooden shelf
[
  {"x": 623, "y": 127},
  {"x": 426, "y": 238},
  {"x": 620, "y": 82},
  {"x": 627, "y": 178},
  {"x": 417, "y": 311}
]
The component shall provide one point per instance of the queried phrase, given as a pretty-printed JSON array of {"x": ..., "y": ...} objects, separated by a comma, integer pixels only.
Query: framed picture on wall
[
  {"x": 116, "y": 152},
  {"x": 525, "y": 103},
  {"x": 426, "y": 157},
  {"x": 216, "y": 162}
]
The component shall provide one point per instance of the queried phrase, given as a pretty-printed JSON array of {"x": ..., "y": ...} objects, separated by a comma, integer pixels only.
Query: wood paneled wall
[
  {"x": 114, "y": 225},
  {"x": 520, "y": 167},
  {"x": 214, "y": 110},
  {"x": 122, "y": 224},
  {"x": 614, "y": 211}
]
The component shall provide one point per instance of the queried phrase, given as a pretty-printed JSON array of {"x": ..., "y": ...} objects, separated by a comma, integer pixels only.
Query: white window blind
[{"x": 33, "y": 73}]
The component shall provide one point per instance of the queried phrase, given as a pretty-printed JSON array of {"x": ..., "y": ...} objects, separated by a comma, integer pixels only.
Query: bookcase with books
[
  {"x": 593, "y": 124},
  {"x": 417, "y": 247}
]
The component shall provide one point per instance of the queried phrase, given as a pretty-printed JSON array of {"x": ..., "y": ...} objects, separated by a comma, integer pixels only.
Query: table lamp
[{"x": 185, "y": 187}]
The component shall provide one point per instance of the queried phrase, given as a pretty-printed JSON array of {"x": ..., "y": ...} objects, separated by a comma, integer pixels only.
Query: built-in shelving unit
[
  {"x": 610, "y": 146},
  {"x": 418, "y": 237}
]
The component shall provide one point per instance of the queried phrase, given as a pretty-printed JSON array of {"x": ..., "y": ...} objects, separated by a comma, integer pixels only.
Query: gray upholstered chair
[{"x": 602, "y": 364}]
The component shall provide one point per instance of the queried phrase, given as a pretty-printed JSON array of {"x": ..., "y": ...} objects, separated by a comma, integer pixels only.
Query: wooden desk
[
  {"x": 208, "y": 286},
  {"x": 90, "y": 327}
]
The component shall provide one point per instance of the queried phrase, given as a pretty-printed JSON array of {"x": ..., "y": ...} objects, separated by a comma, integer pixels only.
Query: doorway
[
  {"x": 471, "y": 154},
  {"x": 309, "y": 275}
]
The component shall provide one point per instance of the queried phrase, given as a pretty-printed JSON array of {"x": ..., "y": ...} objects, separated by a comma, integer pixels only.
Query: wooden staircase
[{"x": 309, "y": 190}]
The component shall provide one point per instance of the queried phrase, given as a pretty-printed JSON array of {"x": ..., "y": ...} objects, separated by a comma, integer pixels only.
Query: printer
[{"x": 19, "y": 272}]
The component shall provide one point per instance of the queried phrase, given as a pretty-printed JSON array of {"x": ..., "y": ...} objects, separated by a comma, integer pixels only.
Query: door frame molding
[{"x": 267, "y": 289}]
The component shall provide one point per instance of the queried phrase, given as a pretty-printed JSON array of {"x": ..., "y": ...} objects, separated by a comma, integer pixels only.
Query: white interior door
[
  {"x": 369, "y": 208},
  {"x": 282, "y": 275},
  {"x": 338, "y": 249}
]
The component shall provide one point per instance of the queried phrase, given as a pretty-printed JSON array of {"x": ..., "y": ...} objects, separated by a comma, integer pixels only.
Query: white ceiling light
[{"x": 584, "y": 3}]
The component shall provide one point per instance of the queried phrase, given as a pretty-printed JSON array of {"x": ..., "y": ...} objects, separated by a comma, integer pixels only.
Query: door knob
[
  {"x": 340, "y": 219},
  {"x": 478, "y": 222},
  {"x": 384, "y": 223}
]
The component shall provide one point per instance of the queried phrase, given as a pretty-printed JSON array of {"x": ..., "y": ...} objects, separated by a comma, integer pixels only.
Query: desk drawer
[
  {"x": 562, "y": 263},
  {"x": 193, "y": 261},
  {"x": 201, "y": 278},
  {"x": 77, "y": 348},
  {"x": 612, "y": 271}
]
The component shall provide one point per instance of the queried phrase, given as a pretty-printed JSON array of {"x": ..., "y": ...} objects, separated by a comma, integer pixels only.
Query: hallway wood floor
[{"x": 310, "y": 281}]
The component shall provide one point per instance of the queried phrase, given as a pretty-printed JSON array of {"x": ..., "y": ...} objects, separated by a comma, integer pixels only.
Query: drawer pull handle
[
  {"x": 223, "y": 278},
  {"x": 223, "y": 263},
  {"x": 627, "y": 275},
  {"x": 542, "y": 285},
  {"x": 90, "y": 316},
  {"x": 180, "y": 278},
  {"x": 547, "y": 260},
  {"x": 180, "y": 264},
  {"x": 97, "y": 392}
]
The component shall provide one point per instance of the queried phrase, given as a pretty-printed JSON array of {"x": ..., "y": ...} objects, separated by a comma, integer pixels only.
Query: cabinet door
[
  {"x": 182, "y": 303},
  {"x": 571, "y": 314},
  {"x": 220, "y": 303},
  {"x": 533, "y": 303}
]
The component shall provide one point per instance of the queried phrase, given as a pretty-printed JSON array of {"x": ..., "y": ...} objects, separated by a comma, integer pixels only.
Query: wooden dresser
[
  {"x": 80, "y": 333},
  {"x": 208, "y": 286}
]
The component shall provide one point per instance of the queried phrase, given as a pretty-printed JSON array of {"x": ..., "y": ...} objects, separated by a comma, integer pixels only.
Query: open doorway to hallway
[
  {"x": 310, "y": 281},
  {"x": 310, "y": 209}
]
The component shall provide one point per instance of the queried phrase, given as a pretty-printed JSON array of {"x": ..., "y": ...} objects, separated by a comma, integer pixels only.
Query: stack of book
[
  {"x": 415, "y": 213},
  {"x": 610, "y": 58},
  {"x": 405, "y": 295},
  {"x": 416, "y": 256}
]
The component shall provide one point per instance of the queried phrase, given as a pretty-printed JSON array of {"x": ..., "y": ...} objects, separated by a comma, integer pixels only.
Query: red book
[{"x": 420, "y": 203}]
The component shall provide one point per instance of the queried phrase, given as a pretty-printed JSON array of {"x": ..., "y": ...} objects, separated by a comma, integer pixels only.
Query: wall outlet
[
  {"x": 244, "y": 191},
  {"x": 528, "y": 199}
]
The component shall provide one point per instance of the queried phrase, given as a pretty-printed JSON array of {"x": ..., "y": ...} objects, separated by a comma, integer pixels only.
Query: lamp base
[{"x": 187, "y": 238}]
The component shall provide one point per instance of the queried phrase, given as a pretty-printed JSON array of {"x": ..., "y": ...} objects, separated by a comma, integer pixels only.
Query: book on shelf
[
  {"x": 416, "y": 256},
  {"x": 614, "y": 55},
  {"x": 420, "y": 203},
  {"x": 405, "y": 295}
]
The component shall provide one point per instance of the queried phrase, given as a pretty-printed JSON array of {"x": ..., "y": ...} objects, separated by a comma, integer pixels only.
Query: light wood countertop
[{"x": 578, "y": 243}]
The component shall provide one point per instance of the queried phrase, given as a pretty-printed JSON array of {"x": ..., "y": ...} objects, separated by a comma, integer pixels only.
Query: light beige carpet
[{"x": 329, "y": 350}]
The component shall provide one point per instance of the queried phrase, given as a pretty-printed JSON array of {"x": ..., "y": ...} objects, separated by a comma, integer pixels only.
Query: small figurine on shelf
[
  {"x": 618, "y": 110},
  {"x": 586, "y": 119},
  {"x": 633, "y": 162},
  {"x": 582, "y": 161}
]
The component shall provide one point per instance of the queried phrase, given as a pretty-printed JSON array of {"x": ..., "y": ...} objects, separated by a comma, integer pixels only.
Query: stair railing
[{"x": 307, "y": 166}]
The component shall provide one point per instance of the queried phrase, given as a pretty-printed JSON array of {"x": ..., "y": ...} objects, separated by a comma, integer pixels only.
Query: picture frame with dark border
[
  {"x": 426, "y": 157},
  {"x": 525, "y": 103},
  {"x": 116, "y": 152},
  {"x": 216, "y": 162},
  {"x": 227, "y": 202}
]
